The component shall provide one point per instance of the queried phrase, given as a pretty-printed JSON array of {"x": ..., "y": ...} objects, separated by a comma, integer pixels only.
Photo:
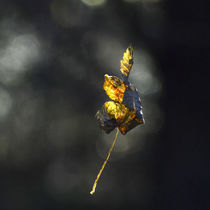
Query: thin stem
[{"x": 107, "y": 158}]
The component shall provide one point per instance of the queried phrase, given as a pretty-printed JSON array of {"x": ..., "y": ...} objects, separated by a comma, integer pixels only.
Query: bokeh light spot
[
  {"x": 132, "y": 1},
  {"x": 108, "y": 51},
  {"x": 144, "y": 73},
  {"x": 18, "y": 56},
  {"x": 94, "y": 3}
]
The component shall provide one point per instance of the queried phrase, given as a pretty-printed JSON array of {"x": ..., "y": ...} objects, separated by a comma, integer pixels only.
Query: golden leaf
[
  {"x": 127, "y": 62},
  {"x": 114, "y": 88}
]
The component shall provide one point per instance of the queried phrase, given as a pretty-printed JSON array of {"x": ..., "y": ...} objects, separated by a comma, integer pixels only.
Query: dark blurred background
[{"x": 53, "y": 56}]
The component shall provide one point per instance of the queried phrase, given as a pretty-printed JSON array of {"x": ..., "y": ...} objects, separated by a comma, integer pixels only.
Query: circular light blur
[
  {"x": 108, "y": 50},
  {"x": 144, "y": 73},
  {"x": 17, "y": 56},
  {"x": 132, "y": 1},
  {"x": 93, "y": 3}
]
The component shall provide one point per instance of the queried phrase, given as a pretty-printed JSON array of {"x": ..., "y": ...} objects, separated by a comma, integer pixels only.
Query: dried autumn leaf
[{"x": 125, "y": 110}]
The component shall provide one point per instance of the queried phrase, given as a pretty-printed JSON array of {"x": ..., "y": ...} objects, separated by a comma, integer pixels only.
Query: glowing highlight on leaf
[
  {"x": 127, "y": 62},
  {"x": 114, "y": 88}
]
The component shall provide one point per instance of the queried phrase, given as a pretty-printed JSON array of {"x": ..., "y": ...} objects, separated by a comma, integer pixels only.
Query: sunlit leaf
[
  {"x": 114, "y": 88},
  {"x": 127, "y": 62},
  {"x": 125, "y": 110}
]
